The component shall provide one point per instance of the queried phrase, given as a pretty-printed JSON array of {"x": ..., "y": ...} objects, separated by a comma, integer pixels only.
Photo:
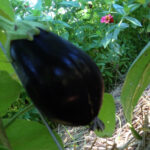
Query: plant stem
[
  {"x": 50, "y": 131},
  {"x": 18, "y": 114},
  {"x": 3, "y": 137},
  {"x": 135, "y": 133}
]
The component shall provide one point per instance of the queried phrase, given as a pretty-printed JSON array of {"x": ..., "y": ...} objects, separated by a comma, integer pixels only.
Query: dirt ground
[{"x": 80, "y": 138}]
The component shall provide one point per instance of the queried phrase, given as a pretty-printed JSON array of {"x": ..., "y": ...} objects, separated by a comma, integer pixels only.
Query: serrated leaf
[
  {"x": 119, "y": 9},
  {"x": 9, "y": 91},
  {"x": 134, "y": 21},
  {"x": 107, "y": 115},
  {"x": 6, "y": 10},
  {"x": 137, "y": 79},
  {"x": 29, "y": 135}
]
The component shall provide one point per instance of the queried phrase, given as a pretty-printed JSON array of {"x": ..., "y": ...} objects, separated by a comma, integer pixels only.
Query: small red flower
[{"x": 107, "y": 19}]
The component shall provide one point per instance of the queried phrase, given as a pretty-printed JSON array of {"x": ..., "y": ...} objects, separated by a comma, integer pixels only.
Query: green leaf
[
  {"x": 29, "y": 135},
  {"x": 119, "y": 9},
  {"x": 6, "y": 10},
  {"x": 133, "y": 7},
  {"x": 48, "y": 2},
  {"x": 107, "y": 39},
  {"x": 134, "y": 21},
  {"x": 9, "y": 91},
  {"x": 115, "y": 34},
  {"x": 123, "y": 25},
  {"x": 107, "y": 115},
  {"x": 3, "y": 148},
  {"x": 38, "y": 5},
  {"x": 137, "y": 79},
  {"x": 69, "y": 4},
  {"x": 141, "y": 1},
  {"x": 148, "y": 28},
  {"x": 65, "y": 35},
  {"x": 62, "y": 23},
  {"x": 4, "y": 64}
]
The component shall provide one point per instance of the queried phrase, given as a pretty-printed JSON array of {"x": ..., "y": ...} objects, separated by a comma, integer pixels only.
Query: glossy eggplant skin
[{"x": 63, "y": 81}]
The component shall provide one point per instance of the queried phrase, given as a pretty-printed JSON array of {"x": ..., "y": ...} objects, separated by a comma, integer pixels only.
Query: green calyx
[{"x": 18, "y": 30}]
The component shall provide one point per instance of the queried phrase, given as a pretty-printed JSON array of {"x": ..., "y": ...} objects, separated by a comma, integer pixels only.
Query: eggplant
[{"x": 63, "y": 82}]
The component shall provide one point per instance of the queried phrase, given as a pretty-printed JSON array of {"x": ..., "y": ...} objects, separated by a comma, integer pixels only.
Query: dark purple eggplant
[{"x": 63, "y": 81}]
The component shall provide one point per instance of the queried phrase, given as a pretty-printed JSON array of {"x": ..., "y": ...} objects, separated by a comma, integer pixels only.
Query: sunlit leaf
[
  {"x": 134, "y": 21},
  {"x": 6, "y": 10},
  {"x": 141, "y": 1},
  {"x": 115, "y": 34},
  {"x": 119, "y": 9},
  {"x": 107, "y": 39},
  {"x": 4, "y": 63},
  {"x": 69, "y": 4},
  {"x": 107, "y": 115},
  {"x": 47, "y": 2},
  {"x": 137, "y": 79},
  {"x": 123, "y": 25},
  {"x": 29, "y": 135},
  {"x": 9, "y": 91},
  {"x": 38, "y": 5},
  {"x": 133, "y": 7}
]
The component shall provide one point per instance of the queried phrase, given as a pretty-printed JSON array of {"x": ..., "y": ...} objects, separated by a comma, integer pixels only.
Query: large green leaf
[
  {"x": 29, "y": 135},
  {"x": 6, "y": 10},
  {"x": 9, "y": 91},
  {"x": 107, "y": 115},
  {"x": 137, "y": 79}
]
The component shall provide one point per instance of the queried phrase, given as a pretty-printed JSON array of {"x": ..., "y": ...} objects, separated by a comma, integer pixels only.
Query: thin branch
[
  {"x": 26, "y": 109},
  {"x": 3, "y": 137}
]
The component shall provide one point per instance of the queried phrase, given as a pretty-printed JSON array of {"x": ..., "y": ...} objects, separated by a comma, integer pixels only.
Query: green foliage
[
  {"x": 29, "y": 135},
  {"x": 112, "y": 46},
  {"x": 107, "y": 115},
  {"x": 3, "y": 148},
  {"x": 9, "y": 91},
  {"x": 4, "y": 63},
  {"x": 137, "y": 79},
  {"x": 9, "y": 14}
]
